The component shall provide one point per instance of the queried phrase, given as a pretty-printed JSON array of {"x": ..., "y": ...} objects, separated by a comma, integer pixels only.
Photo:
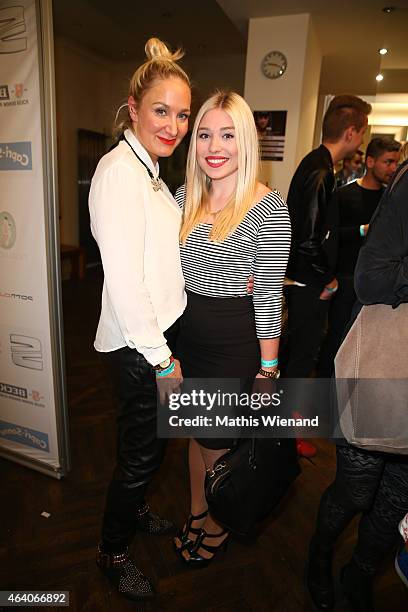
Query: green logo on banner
[{"x": 7, "y": 230}]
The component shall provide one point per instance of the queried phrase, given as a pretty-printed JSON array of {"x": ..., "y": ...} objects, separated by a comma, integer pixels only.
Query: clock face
[{"x": 274, "y": 65}]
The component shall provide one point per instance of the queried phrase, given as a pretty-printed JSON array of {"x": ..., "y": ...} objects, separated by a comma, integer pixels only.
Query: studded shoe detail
[
  {"x": 151, "y": 523},
  {"x": 123, "y": 574}
]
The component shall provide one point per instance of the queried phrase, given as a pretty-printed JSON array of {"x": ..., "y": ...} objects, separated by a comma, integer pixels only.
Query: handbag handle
[{"x": 252, "y": 451}]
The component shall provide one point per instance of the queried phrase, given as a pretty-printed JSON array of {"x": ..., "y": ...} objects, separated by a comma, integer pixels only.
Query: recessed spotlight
[
  {"x": 379, "y": 77},
  {"x": 388, "y": 9},
  {"x": 383, "y": 51}
]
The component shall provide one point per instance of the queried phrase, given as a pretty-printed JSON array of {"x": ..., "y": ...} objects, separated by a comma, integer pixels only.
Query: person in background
[
  {"x": 311, "y": 281},
  {"x": 265, "y": 135},
  {"x": 356, "y": 204},
  {"x": 401, "y": 558},
  {"x": 373, "y": 484},
  {"x": 233, "y": 226},
  {"x": 136, "y": 222},
  {"x": 353, "y": 168}
]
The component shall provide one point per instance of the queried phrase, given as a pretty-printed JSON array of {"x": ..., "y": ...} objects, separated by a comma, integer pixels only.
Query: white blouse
[{"x": 137, "y": 230}]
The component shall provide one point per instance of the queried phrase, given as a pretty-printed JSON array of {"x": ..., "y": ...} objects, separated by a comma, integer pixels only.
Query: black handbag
[{"x": 249, "y": 480}]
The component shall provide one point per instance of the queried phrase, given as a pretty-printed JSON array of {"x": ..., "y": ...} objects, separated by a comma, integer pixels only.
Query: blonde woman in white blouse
[{"x": 136, "y": 223}]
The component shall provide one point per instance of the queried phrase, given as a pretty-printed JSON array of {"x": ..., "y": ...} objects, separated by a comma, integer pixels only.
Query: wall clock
[{"x": 274, "y": 65}]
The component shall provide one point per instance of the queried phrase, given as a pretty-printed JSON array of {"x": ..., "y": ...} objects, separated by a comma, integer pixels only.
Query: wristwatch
[{"x": 164, "y": 364}]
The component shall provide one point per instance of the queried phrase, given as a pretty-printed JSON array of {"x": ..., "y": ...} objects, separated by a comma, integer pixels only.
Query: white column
[{"x": 296, "y": 91}]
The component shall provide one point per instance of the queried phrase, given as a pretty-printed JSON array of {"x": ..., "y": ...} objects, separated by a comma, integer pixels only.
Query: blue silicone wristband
[
  {"x": 167, "y": 371},
  {"x": 269, "y": 363}
]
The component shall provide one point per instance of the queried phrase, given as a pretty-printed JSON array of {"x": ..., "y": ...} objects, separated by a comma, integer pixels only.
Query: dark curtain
[{"x": 91, "y": 147}]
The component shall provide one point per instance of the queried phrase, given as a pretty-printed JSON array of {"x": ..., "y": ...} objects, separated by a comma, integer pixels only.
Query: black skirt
[{"x": 218, "y": 339}]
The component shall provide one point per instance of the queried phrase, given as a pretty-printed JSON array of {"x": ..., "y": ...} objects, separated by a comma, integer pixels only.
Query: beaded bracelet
[
  {"x": 269, "y": 363},
  {"x": 167, "y": 371}
]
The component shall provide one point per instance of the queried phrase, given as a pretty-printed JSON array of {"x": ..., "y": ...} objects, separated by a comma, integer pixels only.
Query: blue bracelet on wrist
[
  {"x": 269, "y": 363},
  {"x": 362, "y": 232},
  {"x": 167, "y": 371}
]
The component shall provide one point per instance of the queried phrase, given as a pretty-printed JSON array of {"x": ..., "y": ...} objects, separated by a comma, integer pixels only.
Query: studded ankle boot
[
  {"x": 151, "y": 523},
  {"x": 122, "y": 572}
]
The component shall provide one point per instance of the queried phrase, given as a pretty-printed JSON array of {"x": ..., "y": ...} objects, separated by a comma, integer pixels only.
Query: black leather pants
[{"x": 139, "y": 452}]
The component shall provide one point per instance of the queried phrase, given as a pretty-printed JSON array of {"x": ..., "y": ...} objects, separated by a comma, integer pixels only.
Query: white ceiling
[
  {"x": 388, "y": 110},
  {"x": 350, "y": 33},
  {"x": 117, "y": 30}
]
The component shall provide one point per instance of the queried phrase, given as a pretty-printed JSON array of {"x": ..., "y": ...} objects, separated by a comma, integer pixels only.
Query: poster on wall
[
  {"x": 271, "y": 128},
  {"x": 32, "y": 388}
]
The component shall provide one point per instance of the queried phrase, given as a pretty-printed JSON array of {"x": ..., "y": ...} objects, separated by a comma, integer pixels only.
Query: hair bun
[{"x": 155, "y": 49}]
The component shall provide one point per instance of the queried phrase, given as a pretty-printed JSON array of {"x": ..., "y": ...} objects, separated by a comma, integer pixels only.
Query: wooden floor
[{"x": 58, "y": 552}]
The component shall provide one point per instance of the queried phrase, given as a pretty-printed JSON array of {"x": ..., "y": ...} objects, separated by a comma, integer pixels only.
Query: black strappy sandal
[
  {"x": 186, "y": 542},
  {"x": 195, "y": 560}
]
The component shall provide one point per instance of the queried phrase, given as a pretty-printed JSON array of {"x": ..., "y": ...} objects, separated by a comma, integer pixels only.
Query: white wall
[
  {"x": 296, "y": 91},
  {"x": 310, "y": 94},
  {"x": 88, "y": 91}
]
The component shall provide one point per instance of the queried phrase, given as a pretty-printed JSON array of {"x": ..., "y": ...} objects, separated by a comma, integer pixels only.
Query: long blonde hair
[
  {"x": 161, "y": 64},
  {"x": 199, "y": 185}
]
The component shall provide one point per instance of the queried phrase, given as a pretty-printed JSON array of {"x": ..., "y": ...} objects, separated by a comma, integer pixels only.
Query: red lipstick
[
  {"x": 215, "y": 161},
  {"x": 167, "y": 141}
]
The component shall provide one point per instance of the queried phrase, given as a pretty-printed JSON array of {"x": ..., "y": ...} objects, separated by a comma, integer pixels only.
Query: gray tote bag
[{"x": 372, "y": 379}]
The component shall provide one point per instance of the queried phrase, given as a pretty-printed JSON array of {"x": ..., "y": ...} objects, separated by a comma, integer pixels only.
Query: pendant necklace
[{"x": 156, "y": 182}]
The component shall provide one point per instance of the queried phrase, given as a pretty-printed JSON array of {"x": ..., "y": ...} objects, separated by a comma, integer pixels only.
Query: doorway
[{"x": 91, "y": 147}]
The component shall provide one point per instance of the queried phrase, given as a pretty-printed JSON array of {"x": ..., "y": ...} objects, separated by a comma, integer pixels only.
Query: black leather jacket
[{"x": 313, "y": 252}]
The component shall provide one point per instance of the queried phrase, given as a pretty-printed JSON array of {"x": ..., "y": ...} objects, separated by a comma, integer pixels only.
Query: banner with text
[{"x": 28, "y": 391}]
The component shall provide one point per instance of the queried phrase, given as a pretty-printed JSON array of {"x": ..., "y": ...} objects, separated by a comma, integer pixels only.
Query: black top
[
  {"x": 314, "y": 245},
  {"x": 381, "y": 275},
  {"x": 356, "y": 206}
]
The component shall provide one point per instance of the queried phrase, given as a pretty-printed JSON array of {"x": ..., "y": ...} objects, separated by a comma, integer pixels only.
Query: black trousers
[
  {"x": 340, "y": 310},
  {"x": 139, "y": 451},
  {"x": 307, "y": 317},
  {"x": 375, "y": 484}
]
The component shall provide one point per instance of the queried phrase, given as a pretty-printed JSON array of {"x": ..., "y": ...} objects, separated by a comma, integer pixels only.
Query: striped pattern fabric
[{"x": 259, "y": 246}]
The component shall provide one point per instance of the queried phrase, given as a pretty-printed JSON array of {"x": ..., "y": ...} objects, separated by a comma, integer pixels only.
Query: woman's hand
[
  {"x": 250, "y": 285},
  {"x": 264, "y": 385},
  {"x": 166, "y": 385}
]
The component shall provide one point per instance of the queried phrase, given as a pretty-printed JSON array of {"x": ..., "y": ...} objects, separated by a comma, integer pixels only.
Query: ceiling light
[
  {"x": 388, "y": 9},
  {"x": 379, "y": 77},
  {"x": 383, "y": 51}
]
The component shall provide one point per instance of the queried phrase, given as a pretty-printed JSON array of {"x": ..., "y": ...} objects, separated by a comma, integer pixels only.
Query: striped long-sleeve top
[{"x": 259, "y": 246}]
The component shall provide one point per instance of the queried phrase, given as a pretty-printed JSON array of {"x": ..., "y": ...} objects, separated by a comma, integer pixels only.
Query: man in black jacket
[
  {"x": 356, "y": 203},
  {"x": 310, "y": 272}
]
